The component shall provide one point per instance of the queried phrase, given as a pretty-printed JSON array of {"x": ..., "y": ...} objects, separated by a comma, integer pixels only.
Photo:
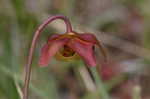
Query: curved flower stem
[
  {"x": 101, "y": 88},
  {"x": 34, "y": 41}
]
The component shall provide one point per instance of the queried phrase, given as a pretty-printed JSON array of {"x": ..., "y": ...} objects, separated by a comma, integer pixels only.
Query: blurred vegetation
[{"x": 125, "y": 19}]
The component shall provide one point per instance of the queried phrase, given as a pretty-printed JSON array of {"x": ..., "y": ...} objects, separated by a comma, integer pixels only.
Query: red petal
[
  {"x": 50, "y": 50},
  {"x": 92, "y": 39},
  {"x": 84, "y": 49},
  {"x": 44, "y": 58}
]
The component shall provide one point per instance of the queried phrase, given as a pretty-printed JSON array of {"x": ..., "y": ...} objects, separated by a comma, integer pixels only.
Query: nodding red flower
[{"x": 67, "y": 45}]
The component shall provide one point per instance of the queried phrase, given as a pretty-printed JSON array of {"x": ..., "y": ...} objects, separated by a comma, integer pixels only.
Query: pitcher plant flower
[{"x": 67, "y": 46}]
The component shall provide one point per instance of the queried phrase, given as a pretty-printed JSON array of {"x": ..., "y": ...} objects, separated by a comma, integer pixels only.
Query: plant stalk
[{"x": 33, "y": 44}]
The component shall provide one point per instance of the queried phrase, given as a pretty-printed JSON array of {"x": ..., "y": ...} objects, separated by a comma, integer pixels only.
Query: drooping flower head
[{"x": 67, "y": 45}]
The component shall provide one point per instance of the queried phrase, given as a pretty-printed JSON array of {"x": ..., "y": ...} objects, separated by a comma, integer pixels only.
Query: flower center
[{"x": 67, "y": 51}]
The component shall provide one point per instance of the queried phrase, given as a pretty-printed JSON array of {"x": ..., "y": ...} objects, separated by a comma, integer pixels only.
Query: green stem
[{"x": 101, "y": 88}]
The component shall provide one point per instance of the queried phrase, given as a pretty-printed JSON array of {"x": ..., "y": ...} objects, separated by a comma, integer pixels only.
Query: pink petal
[
  {"x": 49, "y": 50},
  {"x": 44, "y": 57},
  {"x": 84, "y": 49},
  {"x": 92, "y": 39}
]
